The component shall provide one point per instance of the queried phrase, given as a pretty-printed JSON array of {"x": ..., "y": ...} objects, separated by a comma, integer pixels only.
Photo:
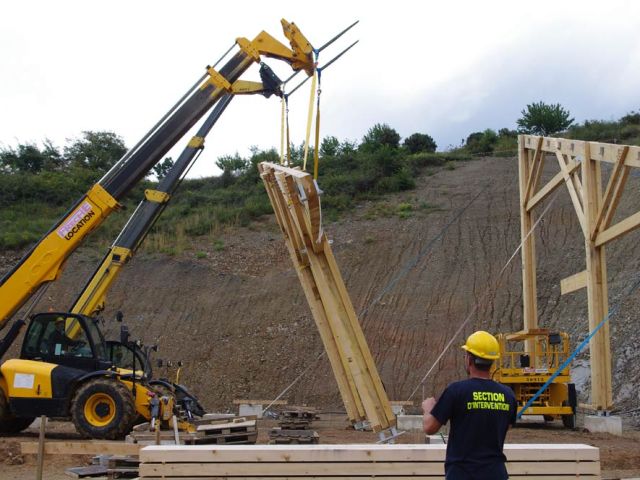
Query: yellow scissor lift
[{"x": 527, "y": 360}]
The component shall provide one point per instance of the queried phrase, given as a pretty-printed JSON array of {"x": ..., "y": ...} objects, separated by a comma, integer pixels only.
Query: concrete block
[
  {"x": 606, "y": 424},
  {"x": 250, "y": 409},
  {"x": 397, "y": 409},
  {"x": 410, "y": 423},
  {"x": 436, "y": 439}
]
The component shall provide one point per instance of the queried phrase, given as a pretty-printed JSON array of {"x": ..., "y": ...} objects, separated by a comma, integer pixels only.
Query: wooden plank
[
  {"x": 597, "y": 292},
  {"x": 394, "y": 477},
  {"x": 354, "y": 453},
  {"x": 608, "y": 153},
  {"x": 624, "y": 226},
  {"x": 528, "y": 255},
  {"x": 600, "y": 152},
  {"x": 573, "y": 283},
  {"x": 351, "y": 468},
  {"x": 53, "y": 447}
]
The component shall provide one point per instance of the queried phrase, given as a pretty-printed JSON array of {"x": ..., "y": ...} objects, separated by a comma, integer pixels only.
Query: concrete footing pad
[
  {"x": 606, "y": 424},
  {"x": 410, "y": 423}
]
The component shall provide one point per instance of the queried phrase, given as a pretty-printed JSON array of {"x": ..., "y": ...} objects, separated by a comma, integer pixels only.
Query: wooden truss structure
[
  {"x": 295, "y": 198},
  {"x": 581, "y": 171}
]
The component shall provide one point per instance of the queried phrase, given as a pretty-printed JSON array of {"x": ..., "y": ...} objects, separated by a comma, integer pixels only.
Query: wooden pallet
[
  {"x": 238, "y": 431},
  {"x": 285, "y": 436},
  {"x": 333, "y": 462}
]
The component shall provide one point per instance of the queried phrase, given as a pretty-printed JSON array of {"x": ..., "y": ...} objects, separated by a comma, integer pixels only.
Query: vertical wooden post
[
  {"x": 529, "y": 291},
  {"x": 597, "y": 292},
  {"x": 43, "y": 426}
]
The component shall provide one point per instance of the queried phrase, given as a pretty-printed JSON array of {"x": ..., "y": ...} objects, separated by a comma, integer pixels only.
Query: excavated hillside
[{"x": 238, "y": 319}]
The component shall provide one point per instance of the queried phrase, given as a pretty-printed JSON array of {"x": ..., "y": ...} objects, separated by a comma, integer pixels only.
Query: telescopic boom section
[
  {"x": 91, "y": 298},
  {"x": 45, "y": 260}
]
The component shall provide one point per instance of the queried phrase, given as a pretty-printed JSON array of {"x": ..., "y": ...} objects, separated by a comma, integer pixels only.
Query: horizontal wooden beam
[
  {"x": 353, "y": 453},
  {"x": 52, "y": 447},
  {"x": 352, "y": 469},
  {"x": 600, "y": 152},
  {"x": 573, "y": 283},
  {"x": 630, "y": 223}
]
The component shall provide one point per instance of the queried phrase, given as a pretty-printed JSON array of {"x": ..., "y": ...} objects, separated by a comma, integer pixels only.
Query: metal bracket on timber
[
  {"x": 581, "y": 171},
  {"x": 295, "y": 198}
]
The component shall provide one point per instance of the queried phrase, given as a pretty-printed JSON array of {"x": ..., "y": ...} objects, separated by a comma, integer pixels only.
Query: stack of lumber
[
  {"x": 277, "y": 462},
  {"x": 220, "y": 432}
]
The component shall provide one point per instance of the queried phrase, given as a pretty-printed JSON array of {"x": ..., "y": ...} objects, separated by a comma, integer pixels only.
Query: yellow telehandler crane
[
  {"x": 131, "y": 355},
  {"x": 64, "y": 369}
]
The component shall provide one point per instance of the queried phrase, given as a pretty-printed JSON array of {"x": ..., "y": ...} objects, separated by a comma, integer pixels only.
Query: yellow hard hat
[{"x": 483, "y": 345}]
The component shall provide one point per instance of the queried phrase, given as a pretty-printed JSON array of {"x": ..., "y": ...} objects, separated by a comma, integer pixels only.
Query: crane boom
[{"x": 44, "y": 262}]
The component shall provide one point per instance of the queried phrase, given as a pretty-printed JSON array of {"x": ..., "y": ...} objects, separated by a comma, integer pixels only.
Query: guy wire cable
[{"x": 487, "y": 291}]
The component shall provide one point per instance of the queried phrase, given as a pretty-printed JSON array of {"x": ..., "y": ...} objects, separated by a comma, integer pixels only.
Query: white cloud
[{"x": 443, "y": 68}]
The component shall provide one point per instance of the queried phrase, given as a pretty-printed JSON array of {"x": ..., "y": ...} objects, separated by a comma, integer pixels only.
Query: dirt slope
[{"x": 239, "y": 320}]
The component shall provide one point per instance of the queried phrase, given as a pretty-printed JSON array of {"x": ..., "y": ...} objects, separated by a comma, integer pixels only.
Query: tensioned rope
[
  {"x": 486, "y": 293},
  {"x": 392, "y": 283}
]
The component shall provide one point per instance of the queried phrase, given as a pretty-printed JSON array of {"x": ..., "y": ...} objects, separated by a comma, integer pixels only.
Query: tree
[
  {"x": 420, "y": 142},
  {"x": 232, "y": 165},
  {"x": 95, "y": 150},
  {"x": 379, "y": 136},
  {"x": 29, "y": 158},
  {"x": 329, "y": 147},
  {"x": 481, "y": 142},
  {"x": 542, "y": 119},
  {"x": 162, "y": 168}
]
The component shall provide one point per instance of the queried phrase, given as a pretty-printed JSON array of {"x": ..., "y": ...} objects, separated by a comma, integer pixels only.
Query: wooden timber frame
[
  {"x": 581, "y": 171},
  {"x": 295, "y": 198}
]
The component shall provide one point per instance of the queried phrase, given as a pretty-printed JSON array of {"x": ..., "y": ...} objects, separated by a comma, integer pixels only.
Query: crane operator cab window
[{"x": 63, "y": 338}]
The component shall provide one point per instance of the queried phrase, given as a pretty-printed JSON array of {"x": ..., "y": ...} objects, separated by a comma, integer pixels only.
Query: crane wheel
[
  {"x": 569, "y": 421},
  {"x": 9, "y": 423},
  {"x": 104, "y": 409}
]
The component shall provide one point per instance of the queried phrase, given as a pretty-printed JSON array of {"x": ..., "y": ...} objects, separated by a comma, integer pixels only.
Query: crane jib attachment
[{"x": 43, "y": 263}]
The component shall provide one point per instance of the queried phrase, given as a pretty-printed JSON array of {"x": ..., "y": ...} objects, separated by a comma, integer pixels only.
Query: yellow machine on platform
[{"x": 527, "y": 361}]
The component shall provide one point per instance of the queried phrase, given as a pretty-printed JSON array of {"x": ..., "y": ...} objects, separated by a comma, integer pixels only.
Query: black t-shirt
[{"x": 480, "y": 411}]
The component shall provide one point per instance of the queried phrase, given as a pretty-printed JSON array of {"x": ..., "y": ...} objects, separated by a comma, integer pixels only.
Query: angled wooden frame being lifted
[
  {"x": 295, "y": 198},
  {"x": 581, "y": 171}
]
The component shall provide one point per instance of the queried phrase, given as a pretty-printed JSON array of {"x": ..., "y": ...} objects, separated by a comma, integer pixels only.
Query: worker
[
  {"x": 59, "y": 340},
  {"x": 480, "y": 411}
]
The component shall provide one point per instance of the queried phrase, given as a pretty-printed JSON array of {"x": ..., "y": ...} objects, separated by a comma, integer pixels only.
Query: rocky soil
[{"x": 237, "y": 317}]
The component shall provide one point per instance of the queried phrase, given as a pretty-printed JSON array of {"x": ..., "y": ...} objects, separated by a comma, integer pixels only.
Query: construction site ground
[
  {"x": 416, "y": 265},
  {"x": 620, "y": 455}
]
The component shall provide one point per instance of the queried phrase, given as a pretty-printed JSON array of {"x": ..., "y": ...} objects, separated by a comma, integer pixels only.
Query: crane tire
[
  {"x": 9, "y": 423},
  {"x": 103, "y": 408}
]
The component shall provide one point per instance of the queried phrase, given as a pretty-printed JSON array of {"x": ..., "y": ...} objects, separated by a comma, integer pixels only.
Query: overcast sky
[{"x": 442, "y": 68}]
